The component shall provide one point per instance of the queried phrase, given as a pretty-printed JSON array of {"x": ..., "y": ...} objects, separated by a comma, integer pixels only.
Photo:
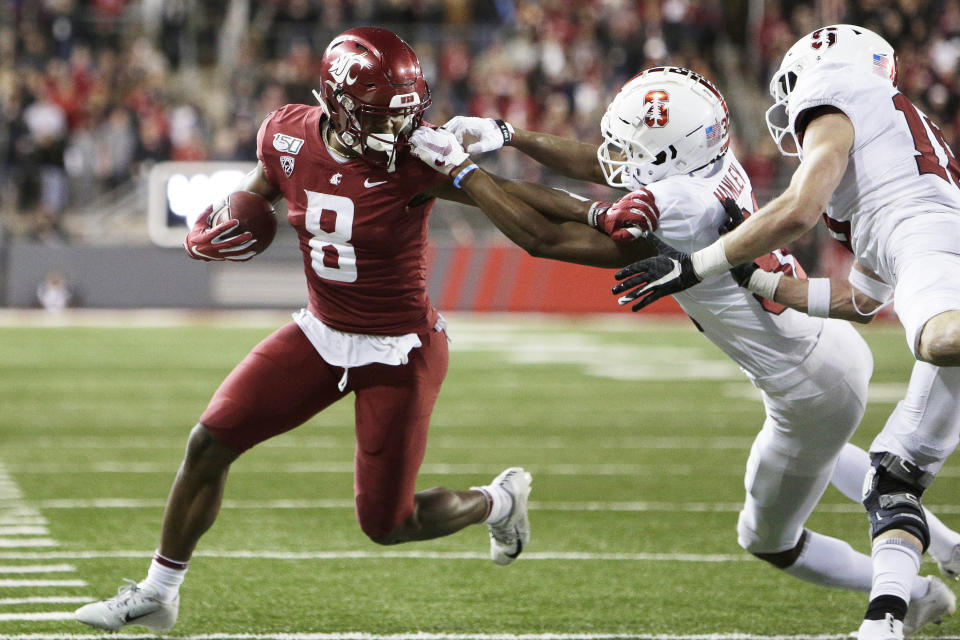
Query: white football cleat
[
  {"x": 887, "y": 629},
  {"x": 510, "y": 536},
  {"x": 950, "y": 567},
  {"x": 937, "y": 604},
  {"x": 132, "y": 605}
]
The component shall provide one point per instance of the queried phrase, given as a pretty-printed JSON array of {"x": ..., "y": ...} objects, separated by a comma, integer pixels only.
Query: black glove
[
  {"x": 742, "y": 272},
  {"x": 735, "y": 215},
  {"x": 656, "y": 277}
]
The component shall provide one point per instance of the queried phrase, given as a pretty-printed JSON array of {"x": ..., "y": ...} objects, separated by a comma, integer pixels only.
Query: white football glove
[
  {"x": 437, "y": 148},
  {"x": 480, "y": 134}
]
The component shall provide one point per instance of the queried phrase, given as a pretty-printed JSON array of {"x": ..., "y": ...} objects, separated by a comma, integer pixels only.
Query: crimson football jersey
[{"x": 364, "y": 250}]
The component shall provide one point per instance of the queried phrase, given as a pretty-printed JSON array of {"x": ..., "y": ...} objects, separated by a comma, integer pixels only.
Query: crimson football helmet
[
  {"x": 863, "y": 50},
  {"x": 373, "y": 92},
  {"x": 663, "y": 122}
]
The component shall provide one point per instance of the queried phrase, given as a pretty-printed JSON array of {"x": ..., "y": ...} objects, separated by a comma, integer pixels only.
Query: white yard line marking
[
  {"x": 376, "y": 555},
  {"x": 38, "y": 568},
  {"x": 625, "y": 506},
  {"x": 359, "y": 635},
  {"x": 45, "y": 600},
  {"x": 9, "y": 543},
  {"x": 19, "y": 511},
  {"x": 14, "y": 516},
  {"x": 38, "y": 616},
  {"x": 24, "y": 530},
  {"x": 17, "y": 584}
]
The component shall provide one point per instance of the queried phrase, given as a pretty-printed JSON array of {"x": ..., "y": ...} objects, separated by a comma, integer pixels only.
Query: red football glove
[
  {"x": 215, "y": 243},
  {"x": 634, "y": 215}
]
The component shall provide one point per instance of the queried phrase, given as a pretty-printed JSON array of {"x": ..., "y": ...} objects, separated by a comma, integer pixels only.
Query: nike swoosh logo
[
  {"x": 673, "y": 274},
  {"x": 516, "y": 554},
  {"x": 129, "y": 618},
  {"x": 369, "y": 184}
]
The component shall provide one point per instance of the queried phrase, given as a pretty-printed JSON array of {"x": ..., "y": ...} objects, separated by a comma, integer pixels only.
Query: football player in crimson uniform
[
  {"x": 359, "y": 203},
  {"x": 666, "y": 138}
]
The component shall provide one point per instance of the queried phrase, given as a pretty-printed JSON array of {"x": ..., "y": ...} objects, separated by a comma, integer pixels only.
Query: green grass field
[{"x": 636, "y": 435}]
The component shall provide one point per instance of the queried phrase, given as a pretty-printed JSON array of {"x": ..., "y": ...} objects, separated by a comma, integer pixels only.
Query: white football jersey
[
  {"x": 900, "y": 167},
  {"x": 763, "y": 337}
]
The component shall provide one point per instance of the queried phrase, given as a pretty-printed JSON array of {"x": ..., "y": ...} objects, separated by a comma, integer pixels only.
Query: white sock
[
  {"x": 896, "y": 563},
  {"x": 164, "y": 578},
  {"x": 500, "y": 503},
  {"x": 829, "y": 562}
]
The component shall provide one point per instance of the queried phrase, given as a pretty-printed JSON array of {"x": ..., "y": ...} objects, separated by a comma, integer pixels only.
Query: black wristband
[{"x": 506, "y": 130}]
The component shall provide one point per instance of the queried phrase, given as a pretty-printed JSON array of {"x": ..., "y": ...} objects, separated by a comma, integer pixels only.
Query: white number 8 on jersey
[{"x": 333, "y": 257}]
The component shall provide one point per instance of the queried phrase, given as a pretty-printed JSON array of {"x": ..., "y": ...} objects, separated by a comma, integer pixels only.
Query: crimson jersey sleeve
[{"x": 364, "y": 246}]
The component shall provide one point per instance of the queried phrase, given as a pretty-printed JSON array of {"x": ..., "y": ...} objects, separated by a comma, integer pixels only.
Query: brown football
[{"x": 255, "y": 214}]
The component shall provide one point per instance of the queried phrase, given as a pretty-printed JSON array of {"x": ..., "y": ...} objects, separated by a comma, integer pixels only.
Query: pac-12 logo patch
[
  {"x": 287, "y": 144},
  {"x": 287, "y": 162},
  {"x": 657, "y": 108}
]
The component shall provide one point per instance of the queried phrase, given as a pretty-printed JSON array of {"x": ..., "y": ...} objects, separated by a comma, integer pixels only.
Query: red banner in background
[{"x": 506, "y": 278}]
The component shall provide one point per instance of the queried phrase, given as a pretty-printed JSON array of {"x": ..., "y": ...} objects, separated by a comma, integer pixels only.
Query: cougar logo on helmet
[
  {"x": 372, "y": 92},
  {"x": 658, "y": 113},
  {"x": 340, "y": 68}
]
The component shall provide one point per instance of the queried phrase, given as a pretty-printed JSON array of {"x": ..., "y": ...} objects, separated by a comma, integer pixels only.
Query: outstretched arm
[
  {"x": 825, "y": 297},
  {"x": 520, "y": 210},
  {"x": 568, "y": 157},
  {"x": 826, "y": 147},
  {"x": 516, "y": 211}
]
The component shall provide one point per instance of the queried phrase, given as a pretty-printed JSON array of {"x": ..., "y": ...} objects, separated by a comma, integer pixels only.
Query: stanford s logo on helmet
[
  {"x": 663, "y": 122},
  {"x": 826, "y": 37},
  {"x": 658, "y": 113},
  {"x": 373, "y": 92},
  {"x": 863, "y": 50}
]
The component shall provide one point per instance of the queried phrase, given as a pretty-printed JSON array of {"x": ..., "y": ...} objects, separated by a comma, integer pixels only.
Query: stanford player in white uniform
[
  {"x": 889, "y": 184},
  {"x": 359, "y": 203},
  {"x": 667, "y": 129}
]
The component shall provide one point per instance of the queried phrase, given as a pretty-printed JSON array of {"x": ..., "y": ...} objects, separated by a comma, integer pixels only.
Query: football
[{"x": 255, "y": 214}]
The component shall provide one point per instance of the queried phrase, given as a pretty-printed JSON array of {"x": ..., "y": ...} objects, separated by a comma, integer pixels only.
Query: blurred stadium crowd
[{"x": 92, "y": 92}]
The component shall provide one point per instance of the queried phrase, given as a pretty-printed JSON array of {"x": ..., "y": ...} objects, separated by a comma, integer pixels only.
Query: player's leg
[
  {"x": 917, "y": 438},
  {"x": 924, "y": 428},
  {"x": 393, "y": 406},
  {"x": 279, "y": 385},
  {"x": 791, "y": 461},
  {"x": 848, "y": 475}
]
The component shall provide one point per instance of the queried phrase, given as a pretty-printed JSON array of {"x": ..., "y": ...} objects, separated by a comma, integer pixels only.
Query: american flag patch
[
  {"x": 713, "y": 133},
  {"x": 881, "y": 64}
]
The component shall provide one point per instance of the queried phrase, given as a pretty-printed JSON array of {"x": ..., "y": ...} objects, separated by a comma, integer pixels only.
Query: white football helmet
[
  {"x": 665, "y": 121},
  {"x": 866, "y": 51}
]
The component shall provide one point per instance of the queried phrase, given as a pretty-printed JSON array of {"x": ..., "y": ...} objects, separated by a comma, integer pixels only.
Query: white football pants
[{"x": 810, "y": 416}]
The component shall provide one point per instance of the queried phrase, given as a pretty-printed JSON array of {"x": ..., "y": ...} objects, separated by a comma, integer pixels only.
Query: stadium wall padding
[{"x": 492, "y": 277}]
